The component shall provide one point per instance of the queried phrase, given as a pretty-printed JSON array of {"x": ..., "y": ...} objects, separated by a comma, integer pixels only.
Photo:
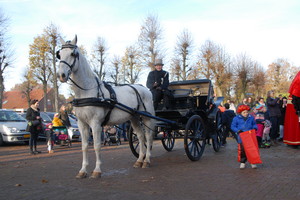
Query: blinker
[{"x": 57, "y": 55}]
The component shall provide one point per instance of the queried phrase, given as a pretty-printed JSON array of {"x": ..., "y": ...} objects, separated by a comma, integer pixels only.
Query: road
[{"x": 172, "y": 175}]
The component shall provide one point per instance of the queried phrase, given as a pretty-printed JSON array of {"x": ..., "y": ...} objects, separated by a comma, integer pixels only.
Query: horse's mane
[{"x": 88, "y": 68}]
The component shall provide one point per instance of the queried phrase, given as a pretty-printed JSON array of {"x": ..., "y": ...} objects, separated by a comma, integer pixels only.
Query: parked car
[
  {"x": 73, "y": 130},
  {"x": 12, "y": 127}
]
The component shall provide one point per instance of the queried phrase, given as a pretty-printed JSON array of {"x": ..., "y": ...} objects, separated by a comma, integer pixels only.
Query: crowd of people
[
  {"x": 269, "y": 116},
  {"x": 265, "y": 116}
]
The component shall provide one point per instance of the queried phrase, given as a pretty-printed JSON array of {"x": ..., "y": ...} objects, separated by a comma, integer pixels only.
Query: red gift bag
[{"x": 251, "y": 146}]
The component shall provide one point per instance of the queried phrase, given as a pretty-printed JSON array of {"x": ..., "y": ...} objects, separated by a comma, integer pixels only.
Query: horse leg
[
  {"x": 97, "y": 146},
  {"x": 84, "y": 131},
  {"x": 139, "y": 132},
  {"x": 149, "y": 141}
]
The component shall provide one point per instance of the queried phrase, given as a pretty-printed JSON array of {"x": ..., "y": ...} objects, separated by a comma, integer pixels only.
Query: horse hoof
[
  {"x": 96, "y": 175},
  {"x": 137, "y": 164},
  {"x": 81, "y": 175},
  {"x": 146, "y": 165}
]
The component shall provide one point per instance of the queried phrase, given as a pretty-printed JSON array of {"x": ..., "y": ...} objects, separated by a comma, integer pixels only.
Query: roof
[{"x": 16, "y": 99}]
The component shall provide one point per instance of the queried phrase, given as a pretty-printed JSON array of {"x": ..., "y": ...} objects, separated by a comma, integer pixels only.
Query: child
[
  {"x": 56, "y": 121},
  {"x": 260, "y": 120},
  {"x": 241, "y": 123},
  {"x": 62, "y": 136},
  {"x": 50, "y": 137},
  {"x": 266, "y": 134}
]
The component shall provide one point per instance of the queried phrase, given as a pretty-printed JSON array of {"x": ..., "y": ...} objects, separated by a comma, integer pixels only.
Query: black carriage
[{"x": 194, "y": 115}]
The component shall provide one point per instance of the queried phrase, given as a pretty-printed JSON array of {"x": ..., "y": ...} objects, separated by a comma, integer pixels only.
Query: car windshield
[
  {"x": 73, "y": 121},
  {"x": 46, "y": 118},
  {"x": 6, "y": 116}
]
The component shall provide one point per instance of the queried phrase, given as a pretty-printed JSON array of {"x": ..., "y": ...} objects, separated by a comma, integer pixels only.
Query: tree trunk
[
  {"x": 1, "y": 89},
  {"x": 55, "y": 83},
  {"x": 45, "y": 96}
]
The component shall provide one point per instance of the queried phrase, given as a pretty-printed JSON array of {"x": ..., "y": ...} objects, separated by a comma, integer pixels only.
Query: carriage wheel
[
  {"x": 217, "y": 137},
  {"x": 194, "y": 138},
  {"x": 133, "y": 141},
  {"x": 168, "y": 140}
]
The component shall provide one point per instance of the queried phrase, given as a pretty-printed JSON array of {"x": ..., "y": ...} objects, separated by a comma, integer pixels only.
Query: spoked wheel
[
  {"x": 194, "y": 138},
  {"x": 218, "y": 135},
  {"x": 133, "y": 142},
  {"x": 168, "y": 140}
]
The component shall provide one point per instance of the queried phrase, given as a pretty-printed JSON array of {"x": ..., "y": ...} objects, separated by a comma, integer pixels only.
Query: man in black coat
[
  {"x": 227, "y": 117},
  {"x": 158, "y": 82}
]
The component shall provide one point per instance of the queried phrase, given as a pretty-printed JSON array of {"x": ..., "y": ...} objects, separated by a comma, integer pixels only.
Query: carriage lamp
[{"x": 197, "y": 92}]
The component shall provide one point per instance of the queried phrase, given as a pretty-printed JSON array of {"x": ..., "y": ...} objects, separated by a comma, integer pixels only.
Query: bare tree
[
  {"x": 279, "y": 76},
  {"x": 222, "y": 72},
  {"x": 53, "y": 34},
  {"x": 99, "y": 56},
  {"x": 206, "y": 59},
  {"x": 215, "y": 64},
  {"x": 131, "y": 64},
  {"x": 243, "y": 68},
  {"x": 150, "y": 40},
  {"x": 182, "y": 54},
  {"x": 40, "y": 62},
  {"x": 258, "y": 81},
  {"x": 115, "y": 74},
  {"x": 175, "y": 69},
  {"x": 6, "y": 52}
]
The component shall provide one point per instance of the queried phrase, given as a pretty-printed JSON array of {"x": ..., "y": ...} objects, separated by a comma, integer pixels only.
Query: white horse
[{"x": 73, "y": 65}]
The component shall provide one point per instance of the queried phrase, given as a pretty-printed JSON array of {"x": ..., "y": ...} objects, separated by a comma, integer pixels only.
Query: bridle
[{"x": 75, "y": 54}]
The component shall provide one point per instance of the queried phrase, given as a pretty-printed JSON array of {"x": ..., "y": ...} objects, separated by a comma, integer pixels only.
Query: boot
[
  {"x": 36, "y": 151},
  {"x": 274, "y": 142},
  {"x": 31, "y": 151},
  {"x": 242, "y": 166}
]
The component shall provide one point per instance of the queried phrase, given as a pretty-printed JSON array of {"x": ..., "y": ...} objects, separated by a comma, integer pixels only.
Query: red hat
[{"x": 241, "y": 108}]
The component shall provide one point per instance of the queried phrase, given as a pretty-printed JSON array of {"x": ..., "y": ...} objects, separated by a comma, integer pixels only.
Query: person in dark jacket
[
  {"x": 34, "y": 125},
  {"x": 158, "y": 82},
  {"x": 283, "y": 104},
  {"x": 64, "y": 117},
  {"x": 273, "y": 105},
  {"x": 227, "y": 117}
]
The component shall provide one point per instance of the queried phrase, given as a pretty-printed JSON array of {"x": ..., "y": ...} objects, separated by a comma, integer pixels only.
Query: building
[{"x": 17, "y": 100}]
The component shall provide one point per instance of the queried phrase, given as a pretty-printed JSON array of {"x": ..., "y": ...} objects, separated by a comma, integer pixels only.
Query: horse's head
[{"x": 69, "y": 57}]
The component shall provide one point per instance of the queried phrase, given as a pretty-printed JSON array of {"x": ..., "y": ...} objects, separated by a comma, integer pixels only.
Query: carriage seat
[{"x": 179, "y": 93}]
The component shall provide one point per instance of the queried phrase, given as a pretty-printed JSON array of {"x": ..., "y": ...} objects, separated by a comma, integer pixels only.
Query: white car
[{"x": 12, "y": 127}]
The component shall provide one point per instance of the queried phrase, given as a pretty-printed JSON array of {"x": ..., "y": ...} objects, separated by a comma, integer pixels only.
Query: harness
[{"x": 100, "y": 100}]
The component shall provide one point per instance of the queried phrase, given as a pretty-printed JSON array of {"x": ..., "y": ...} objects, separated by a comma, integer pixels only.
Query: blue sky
[{"x": 263, "y": 29}]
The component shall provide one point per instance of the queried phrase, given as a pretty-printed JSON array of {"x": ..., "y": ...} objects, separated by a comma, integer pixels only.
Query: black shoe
[
  {"x": 32, "y": 153},
  {"x": 37, "y": 152}
]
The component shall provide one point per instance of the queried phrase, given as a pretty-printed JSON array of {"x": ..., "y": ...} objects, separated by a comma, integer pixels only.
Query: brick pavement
[{"x": 171, "y": 176}]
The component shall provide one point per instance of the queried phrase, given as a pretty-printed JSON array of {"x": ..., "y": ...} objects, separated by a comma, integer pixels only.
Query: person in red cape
[{"x": 292, "y": 124}]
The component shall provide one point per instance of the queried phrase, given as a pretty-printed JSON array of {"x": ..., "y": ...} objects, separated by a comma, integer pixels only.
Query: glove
[{"x": 155, "y": 85}]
